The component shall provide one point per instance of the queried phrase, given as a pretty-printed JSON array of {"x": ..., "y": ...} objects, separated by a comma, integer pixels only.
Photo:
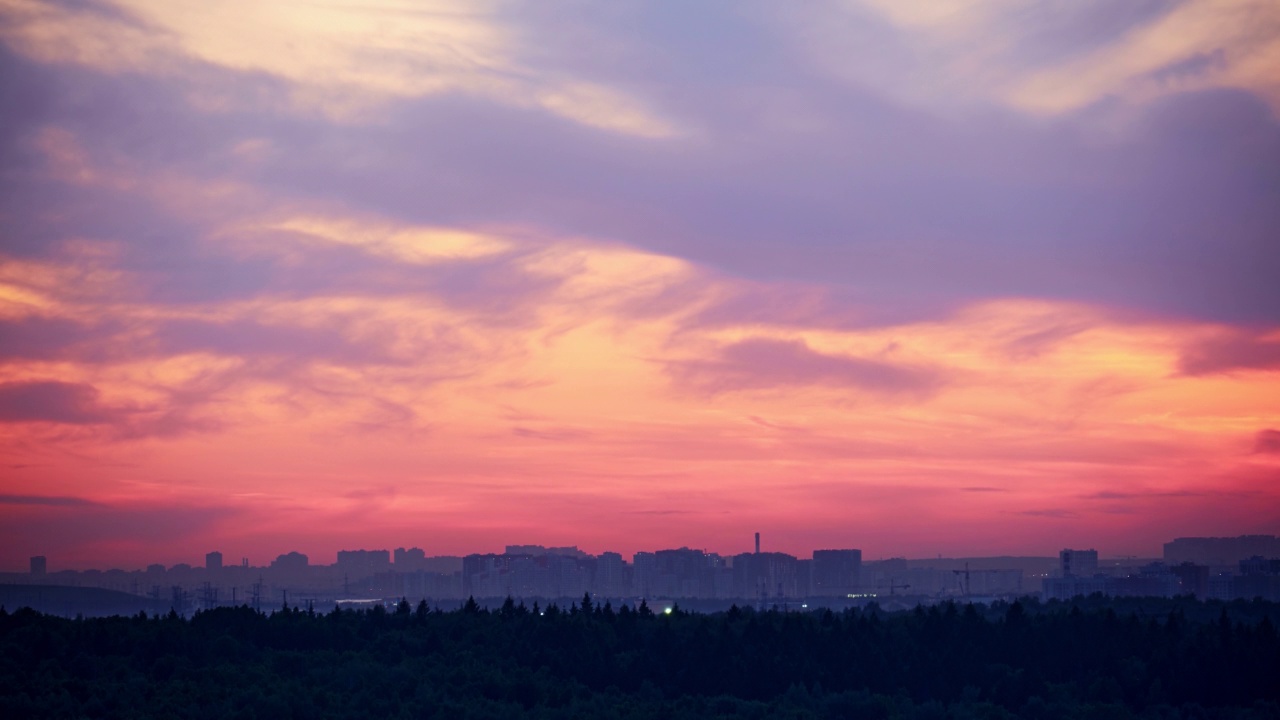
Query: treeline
[{"x": 1024, "y": 660}]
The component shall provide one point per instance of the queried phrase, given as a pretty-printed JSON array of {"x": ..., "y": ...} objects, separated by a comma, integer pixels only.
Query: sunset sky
[{"x": 944, "y": 277}]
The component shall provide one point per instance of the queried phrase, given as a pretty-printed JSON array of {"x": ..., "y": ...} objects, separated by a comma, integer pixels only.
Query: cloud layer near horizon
[{"x": 826, "y": 272}]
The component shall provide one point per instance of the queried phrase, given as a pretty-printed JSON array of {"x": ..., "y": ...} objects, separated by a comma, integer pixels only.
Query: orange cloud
[{"x": 1011, "y": 419}]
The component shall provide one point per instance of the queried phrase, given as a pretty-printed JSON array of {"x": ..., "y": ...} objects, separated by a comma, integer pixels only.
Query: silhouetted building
[
  {"x": 1258, "y": 565},
  {"x": 290, "y": 561},
  {"x": 1152, "y": 580},
  {"x": 1259, "y": 578},
  {"x": 765, "y": 576},
  {"x": 213, "y": 561},
  {"x": 1078, "y": 563},
  {"x": 644, "y": 567},
  {"x": 835, "y": 573},
  {"x": 1192, "y": 579},
  {"x": 1220, "y": 553},
  {"x": 683, "y": 573},
  {"x": 611, "y": 575},
  {"x": 39, "y": 565},
  {"x": 537, "y": 550},
  {"x": 410, "y": 560},
  {"x": 1065, "y": 588},
  {"x": 357, "y": 564},
  {"x": 443, "y": 564}
]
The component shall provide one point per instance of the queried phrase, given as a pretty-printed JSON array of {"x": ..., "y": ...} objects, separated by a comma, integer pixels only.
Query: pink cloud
[
  {"x": 52, "y": 401},
  {"x": 1237, "y": 350},
  {"x": 765, "y": 364}
]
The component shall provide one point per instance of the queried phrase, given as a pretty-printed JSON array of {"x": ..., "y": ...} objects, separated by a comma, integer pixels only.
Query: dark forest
[{"x": 1092, "y": 658}]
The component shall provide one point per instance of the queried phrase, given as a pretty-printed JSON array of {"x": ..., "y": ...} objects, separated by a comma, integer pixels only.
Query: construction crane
[
  {"x": 965, "y": 574},
  {"x": 894, "y": 586}
]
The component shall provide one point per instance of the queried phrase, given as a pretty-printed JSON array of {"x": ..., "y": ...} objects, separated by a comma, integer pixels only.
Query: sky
[{"x": 921, "y": 278}]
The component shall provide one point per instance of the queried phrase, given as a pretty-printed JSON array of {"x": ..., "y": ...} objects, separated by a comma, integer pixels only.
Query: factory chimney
[{"x": 757, "y": 543}]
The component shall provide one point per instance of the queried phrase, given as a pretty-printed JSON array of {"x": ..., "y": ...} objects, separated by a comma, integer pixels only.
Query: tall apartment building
[
  {"x": 835, "y": 573},
  {"x": 1078, "y": 563}
]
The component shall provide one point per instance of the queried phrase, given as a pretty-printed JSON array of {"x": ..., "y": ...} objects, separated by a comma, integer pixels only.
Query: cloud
[
  {"x": 52, "y": 401},
  {"x": 346, "y": 63},
  {"x": 307, "y": 256},
  {"x": 136, "y": 526},
  {"x": 39, "y": 338},
  {"x": 47, "y": 500},
  {"x": 1133, "y": 495},
  {"x": 1047, "y": 59},
  {"x": 250, "y": 338},
  {"x": 552, "y": 434},
  {"x": 380, "y": 493},
  {"x": 1178, "y": 51},
  {"x": 1268, "y": 442},
  {"x": 765, "y": 363},
  {"x": 1040, "y": 340},
  {"x": 917, "y": 213},
  {"x": 1233, "y": 351},
  {"x": 1056, "y": 513},
  {"x": 666, "y": 512}
]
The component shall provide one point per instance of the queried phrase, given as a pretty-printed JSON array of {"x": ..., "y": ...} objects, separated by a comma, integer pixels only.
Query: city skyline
[
  {"x": 1182, "y": 548},
  {"x": 922, "y": 278},
  {"x": 1214, "y": 568},
  {"x": 265, "y": 558}
]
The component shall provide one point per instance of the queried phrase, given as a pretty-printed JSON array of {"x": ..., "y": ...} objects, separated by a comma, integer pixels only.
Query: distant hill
[{"x": 71, "y": 601}]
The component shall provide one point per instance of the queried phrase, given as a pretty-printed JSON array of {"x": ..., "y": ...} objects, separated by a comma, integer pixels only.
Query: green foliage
[{"x": 1025, "y": 660}]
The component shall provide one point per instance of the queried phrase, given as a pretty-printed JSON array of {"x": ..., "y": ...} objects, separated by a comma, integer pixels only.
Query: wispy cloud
[
  {"x": 1232, "y": 351},
  {"x": 490, "y": 266},
  {"x": 1055, "y": 513},
  {"x": 767, "y": 363},
  {"x": 52, "y": 401},
  {"x": 47, "y": 500},
  {"x": 1267, "y": 442}
]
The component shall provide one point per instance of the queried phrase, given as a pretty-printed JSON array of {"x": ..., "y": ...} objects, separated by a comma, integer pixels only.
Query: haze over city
[{"x": 938, "y": 278}]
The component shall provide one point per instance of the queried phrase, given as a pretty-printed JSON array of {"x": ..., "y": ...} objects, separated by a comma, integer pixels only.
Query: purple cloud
[
  {"x": 1268, "y": 442},
  {"x": 96, "y": 523},
  {"x": 51, "y": 401},
  {"x": 763, "y": 363},
  {"x": 1133, "y": 495},
  {"x": 47, "y": 500},
  {"x": 910, "y": 209},
  {"x": 249, "y": 338},
  {"x": 1238, "y": 351},
  {"x": 1056, "y": 513}
]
